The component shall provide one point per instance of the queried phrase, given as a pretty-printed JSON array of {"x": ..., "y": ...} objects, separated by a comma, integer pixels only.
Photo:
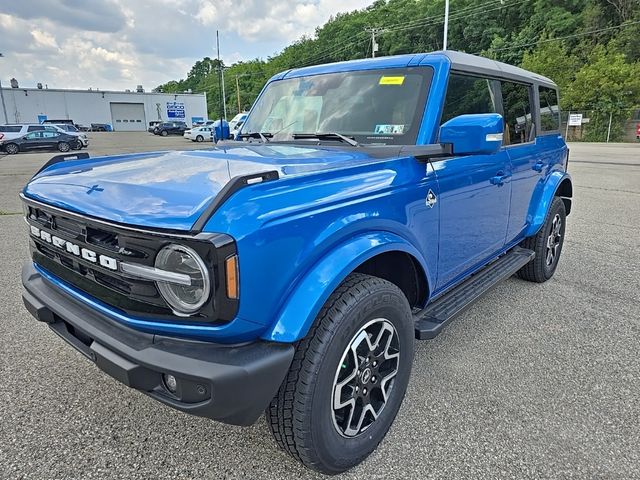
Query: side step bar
[{"x": 434, "y": 317}]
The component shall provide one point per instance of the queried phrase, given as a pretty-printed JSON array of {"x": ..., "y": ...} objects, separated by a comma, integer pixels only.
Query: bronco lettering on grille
[{"x": 72, "y": 248}]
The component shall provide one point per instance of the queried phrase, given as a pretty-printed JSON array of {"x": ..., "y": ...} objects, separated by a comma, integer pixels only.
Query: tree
[{"x": 609, "y": 85}]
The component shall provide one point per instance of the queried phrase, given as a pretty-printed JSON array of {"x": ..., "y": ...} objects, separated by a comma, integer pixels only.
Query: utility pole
[
  {"x": 219, "y": 83},
  {"x": 4, "y": 106},
  {"x": 238, "y": 91},
  {"x": 224, "y": 95},
  {"x": 446, "y": 24},
  {"x": 374, "y": 44}
]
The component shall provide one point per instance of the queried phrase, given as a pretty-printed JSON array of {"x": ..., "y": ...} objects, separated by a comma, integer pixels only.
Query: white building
[{"x": 124, "y": 111}]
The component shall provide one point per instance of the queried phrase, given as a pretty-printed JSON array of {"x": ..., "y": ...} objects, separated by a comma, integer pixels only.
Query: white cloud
[{"x": 118, "y": 44}]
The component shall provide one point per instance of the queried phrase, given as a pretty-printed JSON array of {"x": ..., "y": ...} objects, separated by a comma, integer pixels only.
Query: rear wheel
[
  {"x": 547, "y": 244},
  {"x": 199, "y": 138},
  {"x": 64, "y": 147},
  {"x": 11, "y": 148},
  {"x": 348, "y": 377}
]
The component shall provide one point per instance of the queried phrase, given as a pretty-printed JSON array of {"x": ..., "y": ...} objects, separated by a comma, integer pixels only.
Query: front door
[
  {"x": 474, "y": 191},
  {"x": 474, "y": 196}
]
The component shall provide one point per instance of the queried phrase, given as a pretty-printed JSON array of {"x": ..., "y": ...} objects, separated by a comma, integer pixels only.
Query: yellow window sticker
[{"x": 392, "y": 80}]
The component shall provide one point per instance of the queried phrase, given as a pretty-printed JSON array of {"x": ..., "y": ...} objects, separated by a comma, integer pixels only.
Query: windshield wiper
[
  {"x": 327, "y": 136},
  {"x": 264, "y": 136}
]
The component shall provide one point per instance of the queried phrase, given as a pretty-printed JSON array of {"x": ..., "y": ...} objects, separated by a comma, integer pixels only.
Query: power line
[
  {"x": 455, "y": 16},
  {"x": 555, "y": 39},
  {"x": 433, "y": 19}
]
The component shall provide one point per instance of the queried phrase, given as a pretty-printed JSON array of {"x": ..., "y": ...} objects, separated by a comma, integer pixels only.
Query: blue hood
[{"x": 170, "y": 190}]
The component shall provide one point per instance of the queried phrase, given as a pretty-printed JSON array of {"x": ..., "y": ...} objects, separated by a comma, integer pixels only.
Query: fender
[
  {"x": 541, "y": 202},
  {"x": 313, "y": 290}
]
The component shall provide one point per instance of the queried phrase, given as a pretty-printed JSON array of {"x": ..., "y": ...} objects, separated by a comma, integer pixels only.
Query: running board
[{"x": 431, "y": 320}]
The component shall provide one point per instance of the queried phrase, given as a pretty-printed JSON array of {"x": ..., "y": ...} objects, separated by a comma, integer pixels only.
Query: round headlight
[{"x": 183, "y": 298}]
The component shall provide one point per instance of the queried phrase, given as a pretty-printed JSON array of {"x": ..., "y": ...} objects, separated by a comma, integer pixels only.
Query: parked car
[
  {"x": 199, "y": 134},
  {"x": 367, "y": 204},
  {"x": 71, "y": 129},
  {"x": 153, "y": 125},
  {"x": 42, "y": 140},
  {"x": 100, "y": 127},
  {"x": 237, "y": 121},
  {"x": 10, "y": 132},
  {"x": 170, "y": 128}
]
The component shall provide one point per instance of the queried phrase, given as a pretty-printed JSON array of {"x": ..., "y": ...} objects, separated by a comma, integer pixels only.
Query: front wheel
[
  {"x": 348, "y": 377},
  {"x": 64, "y": 147},
  {"x": 164, "y": 133},
  {"x": 547, "y": 244}
]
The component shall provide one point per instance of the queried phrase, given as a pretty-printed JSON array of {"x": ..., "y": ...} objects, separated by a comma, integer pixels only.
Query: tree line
[{"x": 590, "y": 48}]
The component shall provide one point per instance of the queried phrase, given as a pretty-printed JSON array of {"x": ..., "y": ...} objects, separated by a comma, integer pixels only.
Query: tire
[
  {"x": 301, "y": 417},
  {"x": 199, "y": 138},
  {"x": 11, "y": 148},
  {"x": 64, "y": 147},
  {"x": 164, "y": 133},
  {"x": 547, "y": 244},
  {"x": 77, "y": 145}
]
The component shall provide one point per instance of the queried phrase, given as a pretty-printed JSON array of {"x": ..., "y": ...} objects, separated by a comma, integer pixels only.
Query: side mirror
[{"x": 475, "y": 133}]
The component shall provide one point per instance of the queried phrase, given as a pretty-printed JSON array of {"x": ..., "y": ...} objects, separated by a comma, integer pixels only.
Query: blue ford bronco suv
[{"x": 363, "y": 205}]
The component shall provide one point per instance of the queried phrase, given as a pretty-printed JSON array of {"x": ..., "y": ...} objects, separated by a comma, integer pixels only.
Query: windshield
[{"x": 372, "y": 106}]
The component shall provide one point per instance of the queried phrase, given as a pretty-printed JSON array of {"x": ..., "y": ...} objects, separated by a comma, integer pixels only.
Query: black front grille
[{"x": 135, "y": 297}]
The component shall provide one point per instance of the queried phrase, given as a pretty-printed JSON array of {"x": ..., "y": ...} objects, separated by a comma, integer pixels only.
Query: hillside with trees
[{"x": 591, "y": 48}]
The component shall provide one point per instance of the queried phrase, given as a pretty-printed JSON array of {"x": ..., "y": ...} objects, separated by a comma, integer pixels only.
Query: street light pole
[
  {"x": 446, "y": 24},
  {"x": 4, "y": 106}
]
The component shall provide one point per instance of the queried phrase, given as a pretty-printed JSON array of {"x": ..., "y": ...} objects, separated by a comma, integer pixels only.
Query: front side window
[
  {"x": 469, "y": 95},
  {"x": 549, "y": 110},
  {"x": 373, "y": 106},
  {"x": 518, "y": 126},
  {"x": 33, "y": 135}
]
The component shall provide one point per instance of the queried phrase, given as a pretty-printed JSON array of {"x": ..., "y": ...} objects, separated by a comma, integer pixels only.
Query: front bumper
[{"x": 231, "y": 384}]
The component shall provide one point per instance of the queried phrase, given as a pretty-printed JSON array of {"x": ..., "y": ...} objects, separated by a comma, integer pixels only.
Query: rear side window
[
  {"x": 466, "y": 94},
  {"x": 549, "y": 110},
  {"x": 35, "y": 128},
  {"x": 516, "y": 100},
  {"x": 10, "y": 128}
]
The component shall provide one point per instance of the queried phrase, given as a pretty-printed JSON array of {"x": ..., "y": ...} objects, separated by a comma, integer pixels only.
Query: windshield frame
[{"x": 408, "y": 138}]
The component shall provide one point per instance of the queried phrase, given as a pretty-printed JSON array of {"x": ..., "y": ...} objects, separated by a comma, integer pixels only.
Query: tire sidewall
[
  {"x": 557, "y": 208},
  {"x": 12, "y": 149},
  {"x": 63, "y": 148},
  {"x": 335, "y": 450}
]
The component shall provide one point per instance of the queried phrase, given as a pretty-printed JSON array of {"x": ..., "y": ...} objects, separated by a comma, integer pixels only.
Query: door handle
[
  {"x": 499, "y": 179},
  {"x": 538, "y": 166}
]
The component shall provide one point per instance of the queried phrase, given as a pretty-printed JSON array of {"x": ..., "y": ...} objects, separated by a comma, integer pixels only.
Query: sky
[{"x": 118, "y": 44}]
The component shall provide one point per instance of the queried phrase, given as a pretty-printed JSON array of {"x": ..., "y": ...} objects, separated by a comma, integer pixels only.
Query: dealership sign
[{"x": 175, "y": 110}]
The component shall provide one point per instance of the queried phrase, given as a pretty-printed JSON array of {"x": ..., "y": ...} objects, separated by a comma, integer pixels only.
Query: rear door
[
  {"x": 527, "y": 162},
  {"x": 474, "y": 190}
]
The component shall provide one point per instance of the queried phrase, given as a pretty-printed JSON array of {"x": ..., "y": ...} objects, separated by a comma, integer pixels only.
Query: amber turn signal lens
[{"x": 231, "y": 267}]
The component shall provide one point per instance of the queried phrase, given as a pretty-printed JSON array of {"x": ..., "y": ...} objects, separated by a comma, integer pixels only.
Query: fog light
[{"x": 170, "y": 382}]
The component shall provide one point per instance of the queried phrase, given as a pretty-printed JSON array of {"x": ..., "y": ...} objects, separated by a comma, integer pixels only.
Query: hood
[{"x": 170, "y": 190}]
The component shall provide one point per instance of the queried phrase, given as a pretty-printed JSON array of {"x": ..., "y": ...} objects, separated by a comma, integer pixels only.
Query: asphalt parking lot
[{"x": 534, "y": 381}]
